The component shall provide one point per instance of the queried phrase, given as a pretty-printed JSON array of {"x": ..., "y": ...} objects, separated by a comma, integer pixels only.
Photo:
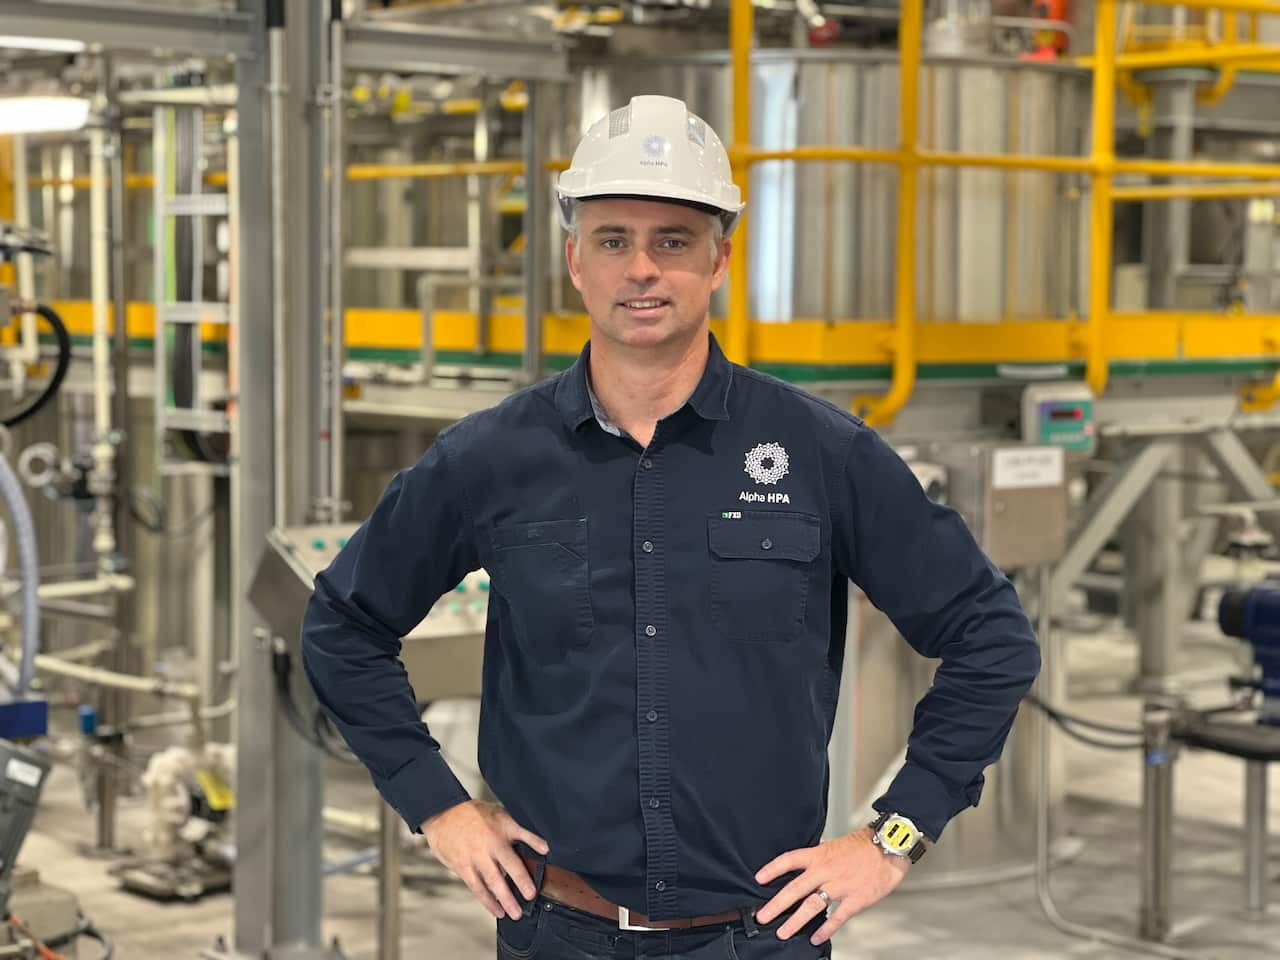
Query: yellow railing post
[
  {"x": 738, "y": 323},
  {"x": 1100, "y": 207},
  {"x": 910, "y": 29}
]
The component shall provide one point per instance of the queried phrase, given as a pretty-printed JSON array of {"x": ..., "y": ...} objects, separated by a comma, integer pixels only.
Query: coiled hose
[
  {"x": 59, "y": 371},
  {"x": 29, "y": 568}
]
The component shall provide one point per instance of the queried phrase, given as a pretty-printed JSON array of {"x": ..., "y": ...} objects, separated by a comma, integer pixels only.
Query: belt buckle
[{"x": 624, "y": 923}]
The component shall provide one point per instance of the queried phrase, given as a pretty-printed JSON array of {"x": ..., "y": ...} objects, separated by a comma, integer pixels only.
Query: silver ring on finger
[{"x": 825, "y": 898}]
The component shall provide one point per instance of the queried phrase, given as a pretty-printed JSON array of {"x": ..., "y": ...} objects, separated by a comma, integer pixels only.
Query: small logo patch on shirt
[{"x": 731, "y": 515}]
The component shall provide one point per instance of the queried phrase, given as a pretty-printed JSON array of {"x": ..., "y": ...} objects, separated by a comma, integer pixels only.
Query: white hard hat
[{"x": 652, "y": 149}]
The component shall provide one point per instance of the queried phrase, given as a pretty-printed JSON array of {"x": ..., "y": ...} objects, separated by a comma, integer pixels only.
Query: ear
[
  {"x": 722, "y": 265},
  {"x": 571, "y": 258}
]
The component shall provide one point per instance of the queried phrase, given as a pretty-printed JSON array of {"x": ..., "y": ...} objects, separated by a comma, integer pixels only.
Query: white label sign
[
  {"x": 23, "y": 772},
  {"x": 1021, "y": 467}
]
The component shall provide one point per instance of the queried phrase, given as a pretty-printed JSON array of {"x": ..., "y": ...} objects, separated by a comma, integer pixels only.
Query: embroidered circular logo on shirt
[{"x": 767, "y": 463}]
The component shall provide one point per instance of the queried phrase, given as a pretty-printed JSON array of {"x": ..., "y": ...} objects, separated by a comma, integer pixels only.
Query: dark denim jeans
[{"x": 552, "y": 931}]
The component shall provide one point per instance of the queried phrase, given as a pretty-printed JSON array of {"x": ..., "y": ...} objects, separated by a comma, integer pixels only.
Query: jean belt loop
[
  {"x": 749, "y": 922},
  {"x": 539, "y": 874}
]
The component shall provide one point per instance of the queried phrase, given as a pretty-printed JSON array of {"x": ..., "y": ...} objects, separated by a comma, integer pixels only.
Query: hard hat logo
[
  {"x": 655, "y": 146},
  {"x": 654, "y": 149}
]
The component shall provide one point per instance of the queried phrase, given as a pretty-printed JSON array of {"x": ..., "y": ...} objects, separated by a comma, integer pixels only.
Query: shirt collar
[{"x": 710, "y": 400}]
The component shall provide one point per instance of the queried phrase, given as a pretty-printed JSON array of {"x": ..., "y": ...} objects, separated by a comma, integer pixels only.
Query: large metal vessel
[{"x": 993, "y": 245}]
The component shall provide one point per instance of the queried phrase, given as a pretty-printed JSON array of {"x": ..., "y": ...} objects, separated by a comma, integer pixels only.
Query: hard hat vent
[
  {"x": 620, "y": 122},
  {"x": 697, "y": 131}
]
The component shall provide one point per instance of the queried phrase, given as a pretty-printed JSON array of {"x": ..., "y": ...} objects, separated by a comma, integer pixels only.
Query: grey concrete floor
[{"x": 1098, "y": 887}]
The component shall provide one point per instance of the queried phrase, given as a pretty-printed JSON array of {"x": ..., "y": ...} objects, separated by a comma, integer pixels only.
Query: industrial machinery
[{"x": 1254, "y": 616}]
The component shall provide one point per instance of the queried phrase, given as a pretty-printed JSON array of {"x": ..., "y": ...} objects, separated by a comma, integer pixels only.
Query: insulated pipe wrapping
[{"x": 29, "y": 571}]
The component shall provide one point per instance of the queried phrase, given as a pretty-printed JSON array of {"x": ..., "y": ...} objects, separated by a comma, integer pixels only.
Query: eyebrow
[{"x": 612, "y": 229}]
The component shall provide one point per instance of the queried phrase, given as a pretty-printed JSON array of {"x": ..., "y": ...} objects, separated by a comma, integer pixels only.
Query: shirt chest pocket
[
  {"x": 544, "y": 575},
  {"x": 761, "y": 565}
]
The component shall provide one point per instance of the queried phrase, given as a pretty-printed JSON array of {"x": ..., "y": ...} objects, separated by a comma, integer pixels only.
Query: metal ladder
[{"x": 193, "y": 312}]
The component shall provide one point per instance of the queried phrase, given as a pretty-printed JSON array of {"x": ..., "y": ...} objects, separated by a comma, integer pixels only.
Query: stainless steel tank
[{"x": 993, "y": 245}]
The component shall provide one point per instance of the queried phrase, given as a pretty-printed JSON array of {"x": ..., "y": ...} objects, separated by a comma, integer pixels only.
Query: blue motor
[{"x": 1254, "y": 616}]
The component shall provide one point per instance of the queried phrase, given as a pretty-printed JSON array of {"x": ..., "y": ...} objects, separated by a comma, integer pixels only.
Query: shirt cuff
[
  {"x": 422, "y": 788},
  {"x": 926, "y": 799}
]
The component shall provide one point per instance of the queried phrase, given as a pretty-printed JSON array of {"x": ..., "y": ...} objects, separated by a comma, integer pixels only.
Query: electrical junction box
[
  {"x": 1012, "y": 496},
  {"x": 1060, "y": 414}
]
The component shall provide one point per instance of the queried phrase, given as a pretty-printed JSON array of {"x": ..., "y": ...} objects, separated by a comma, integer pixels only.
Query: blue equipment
[{"x": 1254, "y": 616}]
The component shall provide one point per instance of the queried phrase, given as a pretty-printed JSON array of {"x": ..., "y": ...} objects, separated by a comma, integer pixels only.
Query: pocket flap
[
  {"x": 569, "y": 533},
  {"x": 762, "y": 535}
]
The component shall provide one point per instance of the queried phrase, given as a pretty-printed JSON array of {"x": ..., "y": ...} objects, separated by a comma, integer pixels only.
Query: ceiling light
[
  {"x": 42, "y": 114},
  {"x": 44, "y": 44}
]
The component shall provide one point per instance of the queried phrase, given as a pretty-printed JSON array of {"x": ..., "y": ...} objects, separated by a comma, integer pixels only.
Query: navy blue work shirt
[{"x": 666, "y": 629}]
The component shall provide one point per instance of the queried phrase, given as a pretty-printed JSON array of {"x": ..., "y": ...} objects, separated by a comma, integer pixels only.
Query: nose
[{"x": 641, "y": 267}]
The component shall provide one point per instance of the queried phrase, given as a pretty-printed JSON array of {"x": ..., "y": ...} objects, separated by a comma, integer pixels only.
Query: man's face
[{"x": 645, "y": 269}]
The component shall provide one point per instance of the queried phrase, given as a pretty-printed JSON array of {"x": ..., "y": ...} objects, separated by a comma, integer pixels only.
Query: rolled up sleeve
[
  {"x": 417, "y": 544},
  {"x": 918, "y": 563}
]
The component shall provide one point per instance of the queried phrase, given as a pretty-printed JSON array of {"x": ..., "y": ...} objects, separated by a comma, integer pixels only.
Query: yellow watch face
[{"x": 898, "y": 834}]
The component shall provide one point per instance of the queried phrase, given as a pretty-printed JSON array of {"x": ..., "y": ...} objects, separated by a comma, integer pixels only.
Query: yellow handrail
[
  {"x": 1104, "y": 132},
  {"x": 1196, "y": 168},
  {"x": 1195, "y": 191},
  {"x": 738, "y": 327},
  {"x": 1247, "y": 6},
  {"x": 1207, "y": 56},
  {"x": 903, "y": 341}
]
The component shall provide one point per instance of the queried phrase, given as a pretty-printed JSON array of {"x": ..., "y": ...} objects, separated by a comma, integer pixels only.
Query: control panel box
[
  {"x": 1012, "y": 496},
  {"x": 1061, "y": 414}
]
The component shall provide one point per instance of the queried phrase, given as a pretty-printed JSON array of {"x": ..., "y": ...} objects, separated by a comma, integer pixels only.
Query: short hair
[{"x": 717, "y": 229}]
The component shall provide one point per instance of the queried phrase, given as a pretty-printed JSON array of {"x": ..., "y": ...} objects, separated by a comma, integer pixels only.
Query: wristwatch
[{"x": 897, "y": 836}]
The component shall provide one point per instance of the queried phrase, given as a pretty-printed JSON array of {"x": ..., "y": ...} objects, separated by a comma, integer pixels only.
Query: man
[{"x": 670, "y": 539}]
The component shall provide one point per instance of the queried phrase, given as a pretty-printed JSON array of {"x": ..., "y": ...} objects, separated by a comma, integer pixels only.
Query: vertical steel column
[
  {"x": 1157, "y": 822},
  {"x": 1255, "y": 825},
  {"x": 480, "y": 232},
  {"x": 1167, "y": 224},
  {"x": 537, "y": 214},
  {"x": 1153, "y": 571},
  {"x": 256, "y": 254},
  {"x": 389, "y": 884},
  {"x": 337, "y": 325},
  {"x": 1100, "y": 205},
  {"x": 277, "y": 91}
]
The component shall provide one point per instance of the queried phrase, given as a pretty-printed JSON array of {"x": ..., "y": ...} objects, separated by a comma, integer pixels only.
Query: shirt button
[
  {"x": 766, "y": 544},
  {"x": 651, "y": 716},
  {"x": 654, "y": 802},
  {"x": 647, "y": 546},
  {"x": 651, "y": 631},
  {"x": 660, "y": 885},
  {"x": 647, "y": 463}
]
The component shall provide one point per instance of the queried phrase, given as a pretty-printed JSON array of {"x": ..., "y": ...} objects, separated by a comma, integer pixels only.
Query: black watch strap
[{"x": 918, "y": 848}]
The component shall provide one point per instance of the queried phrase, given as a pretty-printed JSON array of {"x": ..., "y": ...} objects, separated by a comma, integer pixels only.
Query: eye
[
  {"x": 672, "y": 243},
  {"x": 611, "y": 243}
]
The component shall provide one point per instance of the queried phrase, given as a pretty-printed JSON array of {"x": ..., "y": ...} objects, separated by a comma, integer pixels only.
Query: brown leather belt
[{"x": 565, "y": 886}]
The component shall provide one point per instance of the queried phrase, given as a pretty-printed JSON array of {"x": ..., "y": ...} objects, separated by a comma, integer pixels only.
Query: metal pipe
[
  {"x": 1007, "y": 161},
  {"x": 1248, "y": 6},
  {"x": 217, "y": 95},
  {"x": 1195, "y": 191},
  {"x": 116, "y": 681},
  {"x": 337, "y": 326},
  {"x": 277, "y": 90},
  {"x": 113, "y": 583},
  {"x": 479, "y": 224},
  {"x": 102, "y": 477},
  {"x": 389, "y": 885},
  {"x": 428, "y": 283},
  {"x": 1100, "y": 209},
  {"x": 29, "y": 348},
  {"x": 1255, "y": 825},
  {"x": 537, "y": 220},
  {"x": 910, "y": 32},
  {"x": 388, "y": 171},
  {"x": 863, "y": 154},
  {"x": 1157, "y": 822},
  {"x": 1045, "y": 682},
  {"x": 1211, "y": 56},
  {"x": 1195, "y": 168},
  {"x": 738, "y": 324}
]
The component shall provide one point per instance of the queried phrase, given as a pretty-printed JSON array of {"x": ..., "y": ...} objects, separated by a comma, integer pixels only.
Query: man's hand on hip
[
  {"x": 852, "y": 871},
  {"x": 474, "y": 839}
]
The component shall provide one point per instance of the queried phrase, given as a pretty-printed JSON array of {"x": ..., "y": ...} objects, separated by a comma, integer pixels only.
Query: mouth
[{"x": 645, "y": 306}]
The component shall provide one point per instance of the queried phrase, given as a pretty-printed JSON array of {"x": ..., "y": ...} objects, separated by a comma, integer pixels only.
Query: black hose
[{"x": 59, "y": 371}]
